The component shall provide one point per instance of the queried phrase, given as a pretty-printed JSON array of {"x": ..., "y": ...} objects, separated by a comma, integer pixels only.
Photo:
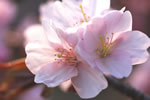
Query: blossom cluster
[{"x": 82, "y": 41}]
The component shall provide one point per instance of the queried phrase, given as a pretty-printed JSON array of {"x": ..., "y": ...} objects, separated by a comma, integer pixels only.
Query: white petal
[
  {"x": 53, "y": 74},
  {"x": 117, "y": 64},
  {"x": 50, "y": 31},
  {"x": 37, "y": 55},
  {"x": 89, "y": 82},
  {"x": 73, "y": 2},
  {"x": 57, "y": 37},
  {"x": 69, "y": 36},
  {"x": 95, "y": 7},
  {"x": 35, "y": 33},
  {"x": 38, "y": 49},
  {"x": 62, "y": 13},
  {"x": 136, "y": 44}
]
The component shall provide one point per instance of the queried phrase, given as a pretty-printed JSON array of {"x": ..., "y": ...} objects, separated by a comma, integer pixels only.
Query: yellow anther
[
  {"x": 83, "y": 13},
  {"x": 59, "y": 56}
]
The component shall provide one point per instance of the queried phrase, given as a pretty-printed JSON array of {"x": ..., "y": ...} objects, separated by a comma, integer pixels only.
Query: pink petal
[
  {"x": 136, "y": 44},
  {"x": 70, "y": 35},
  {"x": 118, "y": 21},
  {"x": 88, "y": 57},
  {"x": 37, "y": 55},
  {"x": 53, "y": 74},
  {"x": 89, "y": 40},
  {"x": 89, "y": 82},
  {"x": 118, "y": 64}
]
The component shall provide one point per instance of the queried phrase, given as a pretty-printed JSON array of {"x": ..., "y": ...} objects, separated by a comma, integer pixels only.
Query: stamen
[
  {"x": 106, "y": 45},
  {"x": 66, "y": 56},
  {"x": 83, "y": 13}
]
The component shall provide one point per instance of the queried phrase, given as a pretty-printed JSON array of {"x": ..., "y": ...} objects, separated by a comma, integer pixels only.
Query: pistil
[{"x": 84, "y": 15}]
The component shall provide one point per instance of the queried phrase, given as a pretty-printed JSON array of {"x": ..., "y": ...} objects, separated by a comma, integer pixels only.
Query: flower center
[
  {"x": 106, "y": 45},
  {"x": 66, "y": 56}
]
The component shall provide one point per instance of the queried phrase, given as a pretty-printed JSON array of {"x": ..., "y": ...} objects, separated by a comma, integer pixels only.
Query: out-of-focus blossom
[
  {"x": 140, "y": 77},
  {"x": 109, "y": 44},
  {"x": 68, "y": 13},
  {"x": 5, "y": 52},
  {"x": 56, "y": 62},
  {"x": 7, "y": 12}
]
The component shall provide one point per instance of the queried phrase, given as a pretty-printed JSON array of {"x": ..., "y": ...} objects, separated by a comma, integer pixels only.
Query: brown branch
[
  {"x": 126, "y": 89},
  {"x": 19, "y": 63}
]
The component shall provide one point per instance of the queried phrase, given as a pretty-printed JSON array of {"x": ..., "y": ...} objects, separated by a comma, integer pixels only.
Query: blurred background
[{"x": 17, "y": 83}]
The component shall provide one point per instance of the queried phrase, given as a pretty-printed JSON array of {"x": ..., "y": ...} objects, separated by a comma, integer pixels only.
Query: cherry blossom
[
  {"x": 109, "y": 44},
  {"x": 68, "y": 13},
  {"x": 56, "y": 62},
  {"x": 80, "y": 43}
]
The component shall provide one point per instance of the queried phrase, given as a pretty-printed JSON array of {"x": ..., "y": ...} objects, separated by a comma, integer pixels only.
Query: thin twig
[
  {"x": 126, "y": 89},
  {"x": 16, "y": 63}
]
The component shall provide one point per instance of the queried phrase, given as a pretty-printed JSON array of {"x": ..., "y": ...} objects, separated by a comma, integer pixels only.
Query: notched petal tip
[
  {"x": 123, "y": 9},
  {"x": 89, "y": 82}
]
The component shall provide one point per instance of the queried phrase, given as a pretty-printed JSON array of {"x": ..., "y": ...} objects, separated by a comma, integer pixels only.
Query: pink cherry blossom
[
  {"x": 109, "y": 44},
  {"x": 7, "y": 12},
  {"x": 54, "y": 62}
]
